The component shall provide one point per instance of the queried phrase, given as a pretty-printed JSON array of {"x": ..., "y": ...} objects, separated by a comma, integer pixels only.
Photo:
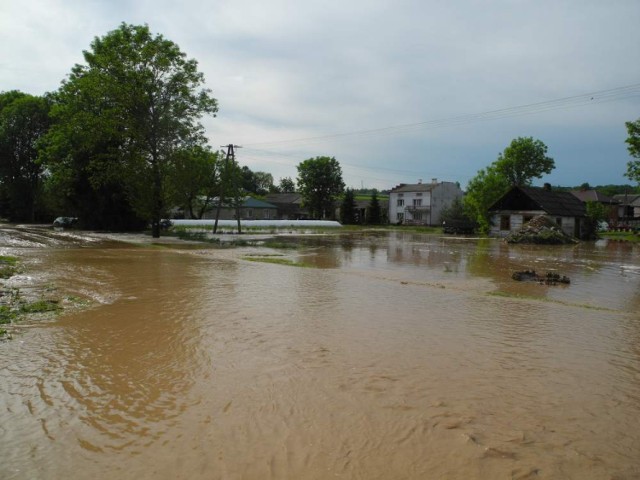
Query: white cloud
[{"x": 285, "y": 69}]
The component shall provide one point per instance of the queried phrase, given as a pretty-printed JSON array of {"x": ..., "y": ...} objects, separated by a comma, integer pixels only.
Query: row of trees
[
  {"x": 117, "y": 143},
  {"x": 120, "y": 142},
  {"x": 24, "y": 119}
]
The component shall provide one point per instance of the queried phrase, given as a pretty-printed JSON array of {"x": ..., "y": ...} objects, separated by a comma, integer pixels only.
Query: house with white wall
[
  {"x": 521, "y": 204},
  {"x": 421, "y": 203}
]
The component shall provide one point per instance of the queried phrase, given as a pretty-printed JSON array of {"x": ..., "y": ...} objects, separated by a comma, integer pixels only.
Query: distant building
[
  {"x": 628, "y": 208},
  {"x": 288, "y": 206},
  {"x": 593, "y": 196},
  {"x": 610, "y": 204},
  {"x": 421, "y": 203},
  {"x": 250, "y": 209},
  {"x": 520, "y": 204},
  {"x": 362, "y": 210}
]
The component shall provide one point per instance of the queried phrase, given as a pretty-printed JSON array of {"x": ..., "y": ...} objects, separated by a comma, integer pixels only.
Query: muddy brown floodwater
[{"x": 400, "y": 356}]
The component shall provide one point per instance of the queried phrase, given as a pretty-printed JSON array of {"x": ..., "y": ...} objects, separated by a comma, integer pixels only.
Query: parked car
[{"x": 65, "y": 222}]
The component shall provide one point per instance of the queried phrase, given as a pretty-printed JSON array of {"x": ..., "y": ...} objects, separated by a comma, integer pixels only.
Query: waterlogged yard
[{"x": 394, "y": 354}]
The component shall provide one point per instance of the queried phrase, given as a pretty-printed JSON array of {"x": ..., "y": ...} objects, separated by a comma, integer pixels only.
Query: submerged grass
[
  {"x": 7, "y": 315},
  {"x": 15, "y": 307},
  {"x": 278, "y": 261},
  {"x": 625, "y": 236},
  {"x": 8, "y": 266},
  {"x": 40, "y": 306},
  {"x": 196, "y": 234}
]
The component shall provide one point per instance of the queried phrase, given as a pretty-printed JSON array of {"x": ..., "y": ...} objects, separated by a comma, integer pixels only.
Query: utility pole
[{"x": 229, "y": 156}]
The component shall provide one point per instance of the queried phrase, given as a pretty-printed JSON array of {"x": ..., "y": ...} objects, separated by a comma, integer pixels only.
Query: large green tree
[
  {"x": 24, "y": 119},
  {"x": 320, "y": 183},
  {"x": 633, "y": 141},
  {"x": 123, "y": 116},
  {"x": 195, "y": 180},
  {"x": 523, "y": 160},
  {"x": 482, "y": 191}
]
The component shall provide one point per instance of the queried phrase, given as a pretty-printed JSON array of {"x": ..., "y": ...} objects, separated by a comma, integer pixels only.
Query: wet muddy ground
[{"x": 393, "y": 355}]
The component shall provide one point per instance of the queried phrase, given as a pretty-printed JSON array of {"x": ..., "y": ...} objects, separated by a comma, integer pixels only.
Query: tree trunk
[{"x": 157, "y": 201}]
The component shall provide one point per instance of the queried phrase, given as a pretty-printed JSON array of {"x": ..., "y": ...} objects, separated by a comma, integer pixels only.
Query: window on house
[
  {"x": 559, "y": 221},
  {"x": 249, "y": 213},
  {"x": 505, "y": 222},
  {"x": 526, "y": 218},
  {"x": 400, "y": 216},
  {"x": 417, "y": 216},
  {"x": 401, "y": 202},
  {"x": 418, "y": 194},
  {"x": 417, "y": 202}
]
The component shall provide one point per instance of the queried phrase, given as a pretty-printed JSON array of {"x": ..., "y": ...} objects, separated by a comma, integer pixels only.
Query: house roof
[
  {"x": 413, "y": 187},
  {"x": 533, "y": 198},
  {"x": 278, "y": 198},
  {"x": 592, "y": 196},
  {"x": 251, "y": 202},
  {"x": 628, "y": 199}
]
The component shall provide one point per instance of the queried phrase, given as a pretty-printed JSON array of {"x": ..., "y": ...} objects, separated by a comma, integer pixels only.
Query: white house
[{"x": 421, "y": 203}]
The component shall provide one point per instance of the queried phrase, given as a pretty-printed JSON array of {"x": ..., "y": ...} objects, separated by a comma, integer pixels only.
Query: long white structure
[{"x": 257, "y": 223}]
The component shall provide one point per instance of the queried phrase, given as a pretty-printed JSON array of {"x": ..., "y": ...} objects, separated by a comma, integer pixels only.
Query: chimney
[
  {"x": 434, "y": 180},
  {"x": 546, "y": 187},
  {"x": 419, "y": 181}
]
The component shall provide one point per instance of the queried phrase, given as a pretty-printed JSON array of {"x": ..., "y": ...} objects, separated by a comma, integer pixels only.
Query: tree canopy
[
  {"x": 24, "y": 119},
  {"x": 633, "y": 142},
  {"x": 320, "y": 183},
  {"x": 374, "y": 211},
  {"x": 483, "y": 190},
  {"x": 122, "y": 117},
  {"x": 287, "y": 185},
  {"x": 195, "y": 180},
  {"x": 523, "y": 160},
  {"x": 348, "y": 208}
]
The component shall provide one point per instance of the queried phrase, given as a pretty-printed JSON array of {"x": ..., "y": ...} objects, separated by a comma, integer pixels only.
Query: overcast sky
[{"x": 392, "y": 88}]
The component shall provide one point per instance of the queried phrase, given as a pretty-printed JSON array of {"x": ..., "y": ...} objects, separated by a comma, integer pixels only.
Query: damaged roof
[{"x": 551, "y": 202}]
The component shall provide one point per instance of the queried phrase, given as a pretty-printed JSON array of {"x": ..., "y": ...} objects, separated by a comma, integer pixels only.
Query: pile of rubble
[
  {"x": 551, "y": 278},
  {"x": 541, "y": 230}
]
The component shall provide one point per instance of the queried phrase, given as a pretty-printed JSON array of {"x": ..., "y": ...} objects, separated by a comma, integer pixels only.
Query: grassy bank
[
  {"x": 624, "y": 236},
  {"x": 16, "y": 307}
]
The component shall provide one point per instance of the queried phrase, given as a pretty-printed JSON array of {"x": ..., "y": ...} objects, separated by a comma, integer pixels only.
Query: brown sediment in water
[{"x": 197, "y": 364}]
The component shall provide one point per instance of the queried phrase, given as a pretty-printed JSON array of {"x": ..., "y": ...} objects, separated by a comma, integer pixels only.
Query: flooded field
[{"x": 399, "y": 356}]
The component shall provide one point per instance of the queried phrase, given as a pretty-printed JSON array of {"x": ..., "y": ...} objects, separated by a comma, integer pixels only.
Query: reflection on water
[{"x": 400, "y": 356}]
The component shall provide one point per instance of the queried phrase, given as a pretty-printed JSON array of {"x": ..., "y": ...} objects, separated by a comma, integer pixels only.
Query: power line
[{"x": 601, "y": 96}]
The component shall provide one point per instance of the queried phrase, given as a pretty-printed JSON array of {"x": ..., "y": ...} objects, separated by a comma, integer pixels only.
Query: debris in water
[{"x": 550, "y": 278}]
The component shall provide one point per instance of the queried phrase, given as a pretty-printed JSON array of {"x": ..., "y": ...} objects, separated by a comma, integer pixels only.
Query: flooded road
[{"x": 399, "y": 356}]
